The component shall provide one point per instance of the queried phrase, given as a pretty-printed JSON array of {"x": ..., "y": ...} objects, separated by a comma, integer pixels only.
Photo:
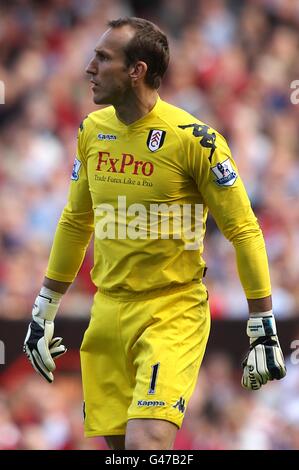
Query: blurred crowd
[
  {"x": 232, "y": 64},
  {"x": 220, "y": 416}
]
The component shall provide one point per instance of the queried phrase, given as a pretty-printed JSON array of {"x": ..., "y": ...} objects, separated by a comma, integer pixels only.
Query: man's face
[{"x": 108, "y": 71}]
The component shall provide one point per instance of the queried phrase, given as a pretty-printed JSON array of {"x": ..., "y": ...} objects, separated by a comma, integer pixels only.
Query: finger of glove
[
  {"x": 254, "y": 374},
  {"x": 275, "y": 362},
  {"x": 257, "y": 363},
  {"x": 44, "y": 354},
  {"x": 56, "y": 348},
  {"x": 280, "y": 360},
  {"x": 58, "y": 351},
  {"x": 27, "y": 334},
  {"x": 249, "y": 381},
  {"x": 43, "y": 346},
  {"x": 40, "y": 367},
  {"x": 37, "y": 367},
  {"x": 55, "y": 342},
  {"x": 245, "y": 381}
]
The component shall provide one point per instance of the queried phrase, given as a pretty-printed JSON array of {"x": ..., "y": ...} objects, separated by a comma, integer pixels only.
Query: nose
[{"x": 91, "y": 67}]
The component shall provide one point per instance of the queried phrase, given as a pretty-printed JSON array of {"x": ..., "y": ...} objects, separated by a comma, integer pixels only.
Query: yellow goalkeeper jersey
[{"x": 144, "y": 191}]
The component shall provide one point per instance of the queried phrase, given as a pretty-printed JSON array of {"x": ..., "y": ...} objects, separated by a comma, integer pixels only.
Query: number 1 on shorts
[{"x": 153, "y": 382}]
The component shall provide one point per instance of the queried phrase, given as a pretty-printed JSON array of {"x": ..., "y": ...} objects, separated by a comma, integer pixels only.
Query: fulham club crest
[{"x": 155, "y": 139}]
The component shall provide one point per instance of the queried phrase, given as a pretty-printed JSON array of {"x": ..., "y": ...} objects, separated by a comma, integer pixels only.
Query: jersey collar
[{"x": 144, "y": 119}]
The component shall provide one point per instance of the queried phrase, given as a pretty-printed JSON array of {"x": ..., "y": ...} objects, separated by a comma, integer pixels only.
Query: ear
[{"x": 138, "y": 71}]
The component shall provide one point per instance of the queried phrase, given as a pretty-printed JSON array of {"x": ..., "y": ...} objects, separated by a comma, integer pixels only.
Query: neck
[{"x": 136, "y": 105}]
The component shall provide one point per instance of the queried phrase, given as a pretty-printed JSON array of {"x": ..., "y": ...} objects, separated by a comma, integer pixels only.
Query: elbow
[
  {"x": 77, "y": 227},
  {"x": 238, "y": 233},
  {"x": 247, "y": 235}
]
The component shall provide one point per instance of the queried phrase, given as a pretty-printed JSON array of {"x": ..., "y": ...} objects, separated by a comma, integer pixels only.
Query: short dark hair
[{"x": 149, "y": 44}]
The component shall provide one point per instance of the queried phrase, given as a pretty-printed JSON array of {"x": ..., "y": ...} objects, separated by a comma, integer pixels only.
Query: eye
[{"x": 102, "y": 57}]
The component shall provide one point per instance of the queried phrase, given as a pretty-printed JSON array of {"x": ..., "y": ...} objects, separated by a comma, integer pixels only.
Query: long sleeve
[
  {"x": 216, "y": 175},
  {"x": 76, "y": 224}
]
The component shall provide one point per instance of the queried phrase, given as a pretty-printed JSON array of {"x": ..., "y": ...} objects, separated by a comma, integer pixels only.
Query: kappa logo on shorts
[
  {"x": 150, "y": 403},
  {"x": 180, "y": 405},
  {"x": 155, "y": 139}
]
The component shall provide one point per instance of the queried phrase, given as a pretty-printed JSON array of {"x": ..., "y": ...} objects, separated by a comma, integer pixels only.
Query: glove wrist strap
[
  {"x": 261, "y": 314},
  {"x": 262, "y": 325},
  {"x": 46, "y": 304}
]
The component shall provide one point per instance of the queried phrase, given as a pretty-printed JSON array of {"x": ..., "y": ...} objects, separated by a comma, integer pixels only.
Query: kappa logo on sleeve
[
  {"x": 225, "y": 174},
  {"x": 76, "y": 169},
  {"x": 155, "y": 139},
  {"x": 208, "y": 139},
  {"x": 81, "y": 127}
]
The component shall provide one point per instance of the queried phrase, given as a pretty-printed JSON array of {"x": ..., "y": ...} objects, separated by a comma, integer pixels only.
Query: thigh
[
  {"x": 168, "y": 353},
  {"x": 150, "y": 434},
  {"x": 107, "y": 388},
  {"x": 115, "y": 442}
]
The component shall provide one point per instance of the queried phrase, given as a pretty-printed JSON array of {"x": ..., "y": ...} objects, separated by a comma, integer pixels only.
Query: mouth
[{"x": 94, "y": 84}]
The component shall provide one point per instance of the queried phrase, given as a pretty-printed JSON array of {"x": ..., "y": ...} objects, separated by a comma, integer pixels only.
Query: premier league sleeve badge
[{"x": 225, "y": 174}]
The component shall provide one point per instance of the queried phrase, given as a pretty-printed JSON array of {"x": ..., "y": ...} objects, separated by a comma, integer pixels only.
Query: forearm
[
  {"x": 252, "y": 263},
  {"x": 260, "y": 305},
  {"x": 56, "y": 286},
  {"x": 67, "y": 253}
]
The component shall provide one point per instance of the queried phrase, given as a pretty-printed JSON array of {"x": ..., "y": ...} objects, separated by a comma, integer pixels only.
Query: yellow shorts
[{"x": 140, "y": 357}]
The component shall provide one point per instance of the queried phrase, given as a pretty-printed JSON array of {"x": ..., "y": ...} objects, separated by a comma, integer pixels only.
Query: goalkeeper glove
[
  {"x": 40, "y": 347},
  {"x": 264, "y": 360}
]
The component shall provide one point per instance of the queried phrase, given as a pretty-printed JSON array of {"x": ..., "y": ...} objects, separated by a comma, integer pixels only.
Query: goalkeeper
[{"x": 150, "y": 319}]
